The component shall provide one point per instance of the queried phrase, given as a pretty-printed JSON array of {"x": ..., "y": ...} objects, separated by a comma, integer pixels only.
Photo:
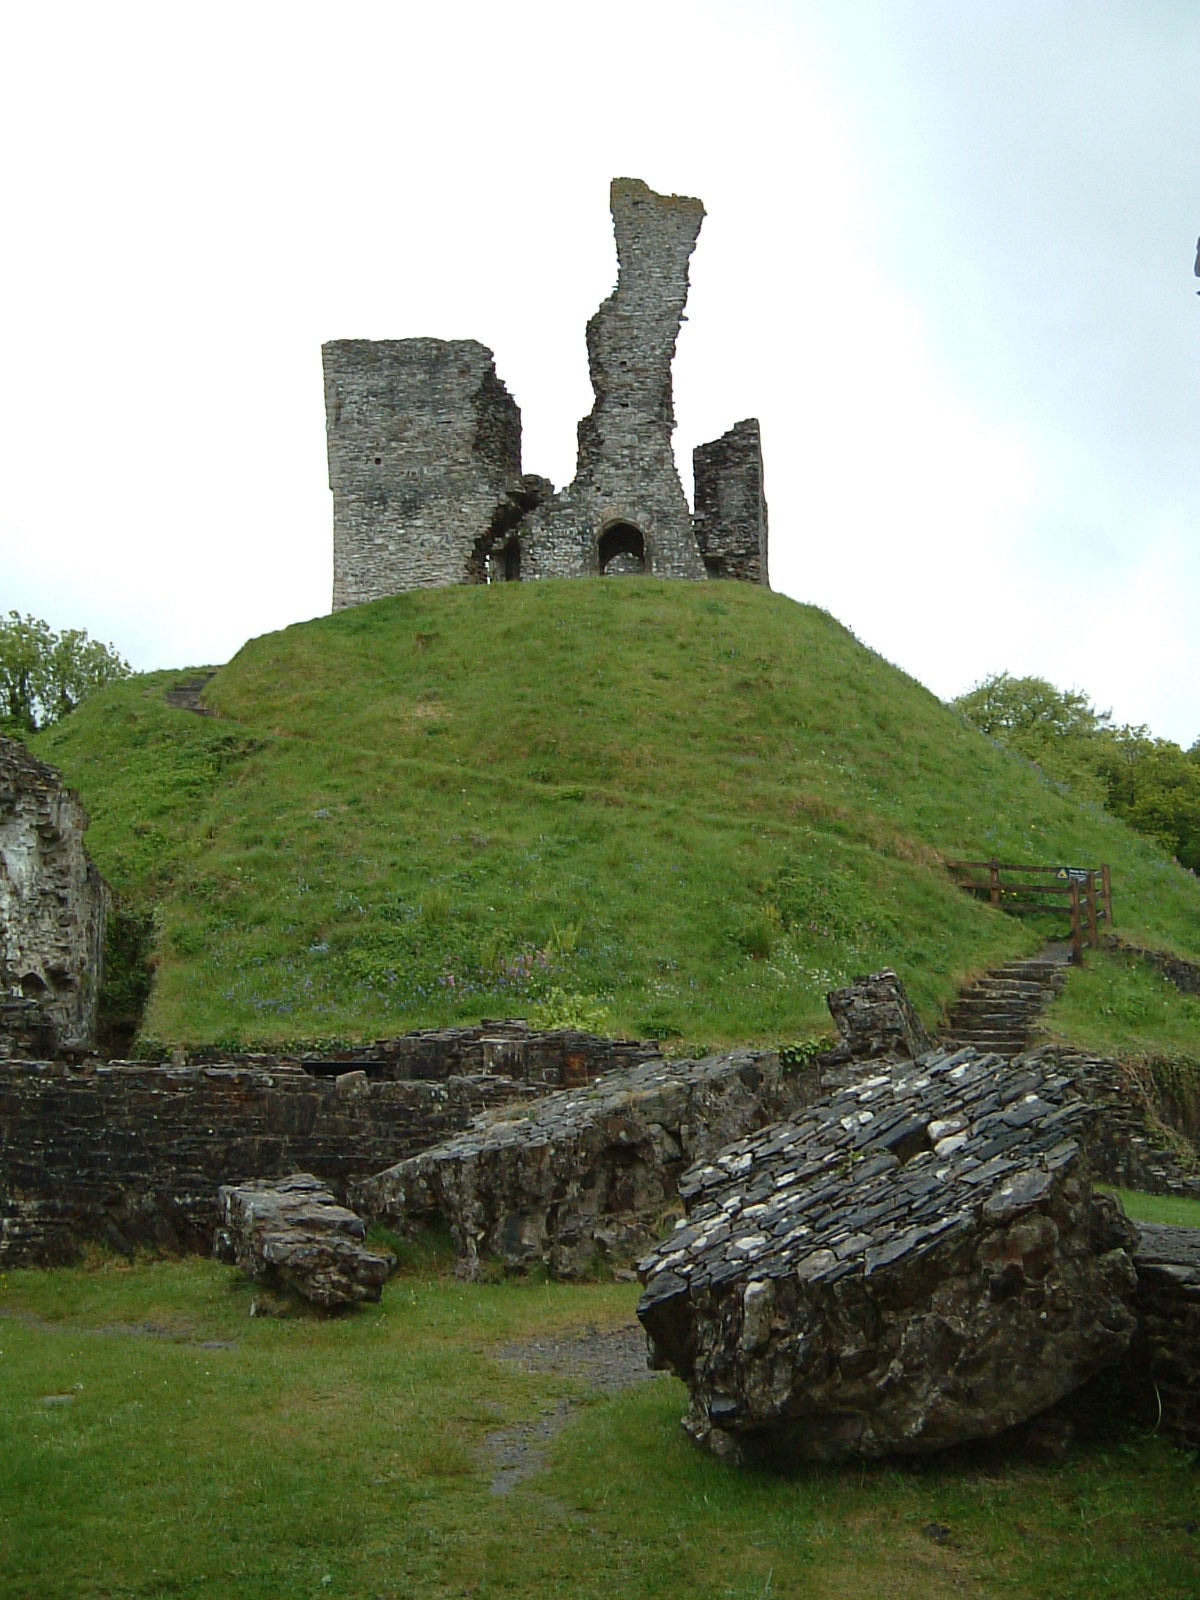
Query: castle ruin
[{"x": 425, "y": 448}]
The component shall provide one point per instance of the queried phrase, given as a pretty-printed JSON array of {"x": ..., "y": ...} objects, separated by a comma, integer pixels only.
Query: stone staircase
[{"x": 998, "y": 1012}]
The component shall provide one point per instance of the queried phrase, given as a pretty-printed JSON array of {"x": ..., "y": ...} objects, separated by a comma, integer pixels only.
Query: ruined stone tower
[
  {"x": 626, "y": 509},
  {"x": 424, "y": 443},
  {"x": 425, "y": 448},
  {"x": 731, "y": 509}
]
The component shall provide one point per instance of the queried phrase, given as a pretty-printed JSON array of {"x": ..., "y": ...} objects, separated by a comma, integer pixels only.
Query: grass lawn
[
  {"x": 160, "y": 1442},
  {"x": 676, "y": 810},
  {"x": 1176, "y": 1209}
]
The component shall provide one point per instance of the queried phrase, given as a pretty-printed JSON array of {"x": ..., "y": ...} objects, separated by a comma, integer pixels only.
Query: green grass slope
[{"x": 663, "y": 808}]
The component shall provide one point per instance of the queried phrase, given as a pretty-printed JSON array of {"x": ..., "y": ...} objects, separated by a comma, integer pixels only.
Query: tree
[
  {"x": 1149, "y": 783},
  {"x": 1020, "y": 711},
  {"x": 44, "y": 675}
]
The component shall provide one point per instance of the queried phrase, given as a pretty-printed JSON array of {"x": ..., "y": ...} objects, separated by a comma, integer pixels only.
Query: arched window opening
[{"x": 622, "y": 550}]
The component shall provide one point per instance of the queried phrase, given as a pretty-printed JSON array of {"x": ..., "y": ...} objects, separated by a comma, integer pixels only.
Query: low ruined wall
[
  {"x": 133, "y": 1153},
  {"x": 1134, "y": 1143},
  {"x": 553, "y": 1059}
]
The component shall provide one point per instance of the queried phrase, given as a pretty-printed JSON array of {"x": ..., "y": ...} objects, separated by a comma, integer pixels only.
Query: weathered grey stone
[
  {"x": 731, "y": 508},
  {"x": 132, "y": 1153},
  {"x": 625, "y": 511},
  {"x": 291, "y": 1231},
  {"x": 918, "y": 1261},
  {"x": 580, "y": 1177},
  {"x": 1157, "y": 1382},
  {"x": 425, "y": 448},
  {"x": 424, "y": 461},
  {"x": 53, "y": 905},
  {"x": 874, "y": 1017}
]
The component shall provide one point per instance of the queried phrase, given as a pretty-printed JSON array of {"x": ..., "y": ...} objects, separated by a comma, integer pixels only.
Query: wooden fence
[{"x": 1086, "y": 890}]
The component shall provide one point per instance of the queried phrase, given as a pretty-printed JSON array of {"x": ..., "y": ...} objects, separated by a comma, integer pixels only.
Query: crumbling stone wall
[
  {"x": 424, "y": 452},
  {"x": 133, "y": 1152},
  {"x": 549, "y": 1058},
  {"x": 625, "y": 511},
  {"x": 731, "y": 508},
  {"x": 53, "y": 905}
]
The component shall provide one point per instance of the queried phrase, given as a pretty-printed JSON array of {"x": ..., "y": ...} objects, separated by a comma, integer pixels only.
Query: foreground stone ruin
[
  {"x": 53, "y": 905},
  {"x": 1159, "y": 1382},
  {"x": 915, "y": 1262},
  {"x": 581, "y": 1177},
  {"x": 133, "y": 1153},
  {"x": 291, "y": 1233}
]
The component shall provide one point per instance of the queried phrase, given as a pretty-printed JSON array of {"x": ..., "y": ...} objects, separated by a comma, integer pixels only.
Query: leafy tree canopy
[
  {"x": 1020, "y": 711},
  {"x": 1152, "y": 784},
  {"x": 44, "y": 675}
]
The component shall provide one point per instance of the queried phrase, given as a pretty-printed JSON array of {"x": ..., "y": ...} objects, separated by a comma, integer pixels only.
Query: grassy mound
[{"x": 662, "y": 808}]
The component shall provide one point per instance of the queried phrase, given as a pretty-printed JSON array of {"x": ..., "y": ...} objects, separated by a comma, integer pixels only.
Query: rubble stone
[
  {"x": 874, "y": 1017},
  {"x": 291, "y": 1231},
  {"x": 581, "y": 1176},
  {"x": 915, "y": 1262}
]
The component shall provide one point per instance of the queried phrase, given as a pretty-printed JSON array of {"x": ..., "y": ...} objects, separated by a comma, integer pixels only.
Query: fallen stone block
[
  {"x": 915, "y": 1262},
  {"x": 291, "y": 1231},
  {"x": 874, "y": 1018},
  {"x": 582, "y": 1177}
]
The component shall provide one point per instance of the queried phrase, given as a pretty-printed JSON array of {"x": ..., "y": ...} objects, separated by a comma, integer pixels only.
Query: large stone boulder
[
  {"x": 291, "y": 1231},
  {"x": 582, "y": 1177},
  {"x": 917, "y": 1261}
]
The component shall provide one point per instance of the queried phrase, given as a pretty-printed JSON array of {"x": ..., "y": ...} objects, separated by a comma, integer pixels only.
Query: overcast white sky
[{"x": 947, "y": 262}]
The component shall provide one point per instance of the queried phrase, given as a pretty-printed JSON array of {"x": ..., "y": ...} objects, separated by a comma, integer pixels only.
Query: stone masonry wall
[
  {"x": 424, "y": 444},
  {"x": 133, "y": 1152},
  {"x": 731, "y": 509},
  {"x": 625, "y": 510},
  {"x": 53, "y": 902}
]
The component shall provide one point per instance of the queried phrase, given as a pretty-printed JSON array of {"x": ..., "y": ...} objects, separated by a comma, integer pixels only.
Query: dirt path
[{"x": 608, "y": 1360}]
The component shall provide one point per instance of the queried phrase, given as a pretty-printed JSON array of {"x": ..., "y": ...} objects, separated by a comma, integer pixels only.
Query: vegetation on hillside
[
  {"x": 1150, "y": 783},
  {"x": 662, "y": 809},
  {"x": 44, "y": 675}
]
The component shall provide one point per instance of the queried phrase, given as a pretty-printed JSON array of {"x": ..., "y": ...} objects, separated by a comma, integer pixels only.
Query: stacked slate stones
[{"x": 917, "y": 1261}]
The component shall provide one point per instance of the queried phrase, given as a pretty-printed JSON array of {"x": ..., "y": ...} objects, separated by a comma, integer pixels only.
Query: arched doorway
[{"x": 622, "y": 550}]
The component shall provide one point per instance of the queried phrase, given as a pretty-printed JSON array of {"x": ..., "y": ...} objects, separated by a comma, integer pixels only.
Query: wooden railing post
[
  {"x": 1093, "y": 929},
  {"x": 1076, "y": 926},
  {"x": 1106, "y": 888},
  {"x": 994, "y": 879}
]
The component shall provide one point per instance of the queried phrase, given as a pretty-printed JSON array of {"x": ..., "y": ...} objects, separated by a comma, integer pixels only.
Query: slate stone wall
[
  {"x": 424, "y": 443},
  {"x": 547, "y": 1058},
  {"x": 731, "y": 508},
  {"x": 133, "y": 1152},
  {"x": 53, "y": 905}
]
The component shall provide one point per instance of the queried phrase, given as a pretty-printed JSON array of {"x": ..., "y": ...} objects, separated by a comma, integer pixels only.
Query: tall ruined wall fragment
[
  {"x": 625, "y": 511},
  {"x": 424, "y": 444},
  {"x": 731, "y": 508},
  {"x": 53, "y": 902}
]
